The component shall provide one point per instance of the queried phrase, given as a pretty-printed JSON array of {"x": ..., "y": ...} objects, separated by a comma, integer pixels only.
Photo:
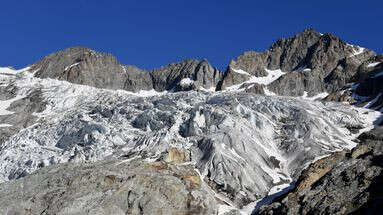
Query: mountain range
[
  {"x": 291, "y": 130},
  {"x": 308, "y": 64}
]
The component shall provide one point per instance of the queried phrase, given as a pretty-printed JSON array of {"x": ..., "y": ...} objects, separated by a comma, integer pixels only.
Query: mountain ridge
[{"x": 313, "y": 63}]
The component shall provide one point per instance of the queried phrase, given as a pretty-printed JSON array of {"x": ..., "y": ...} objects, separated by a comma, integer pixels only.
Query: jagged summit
[
  {"x": 310, "y": 63},
  {"x": 308, "y": 34}
]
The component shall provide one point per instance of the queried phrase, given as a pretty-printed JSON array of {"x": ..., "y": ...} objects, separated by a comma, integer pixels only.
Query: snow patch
[
  {"x": 70, "y": 66},
  {"x": 313, "y": 98},
  {"x": 7, "y": 70},
  {"x": 7, "y": 103},
  {"x": 211, "y": 89},
  {"x": 268, "y": 92},
  {"x": 10, "y": 71},
  {"x": 274, "y": 192},
  {"x": 272, "y": 75},
  {"x": 186, "y": 82},
  {"x": 357, "y": 50},
  {"x": 373, "y": 64},
  {"x": 147, "y": 93},
  {"x": 303, "y": 69},
  {"x": 5, "y": 125},
  {"x": 240, "y": 71}
]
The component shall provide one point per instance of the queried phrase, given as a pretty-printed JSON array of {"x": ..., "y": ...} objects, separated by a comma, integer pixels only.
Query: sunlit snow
[
  {"x": 272, "y": 75},
  {"x": 373, "y": 64}
]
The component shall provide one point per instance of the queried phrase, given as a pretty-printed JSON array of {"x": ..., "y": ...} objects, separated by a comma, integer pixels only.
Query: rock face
[
  {"x": 109, "y": 187},
  {"x": 20, "y": 110},
  {"x": 312, "y": 63},
  {"x": 366, "y": 89},
  {"x": 343, "y": 183},
  {"x": 369, "y": 87},
  {"x": 84, "y": 66},
  {"x": 186, "y": 75}
]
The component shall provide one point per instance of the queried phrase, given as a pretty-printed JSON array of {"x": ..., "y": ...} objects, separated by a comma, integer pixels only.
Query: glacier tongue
[{"x": 242, "y": 144}]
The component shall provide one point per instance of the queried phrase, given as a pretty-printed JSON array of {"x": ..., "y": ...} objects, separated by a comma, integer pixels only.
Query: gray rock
[
  {"x": 368, "y": 88},
  {"x": 109, "y": 187},
  {"x": 21, "y": 111},
  {"x": 312, "y": 62},
  {"x": 199, "y": 74},
  {"x": 344, "y": 183},
  {"x": 295, "y": 83},
  {"x": 84, "y": 66}
]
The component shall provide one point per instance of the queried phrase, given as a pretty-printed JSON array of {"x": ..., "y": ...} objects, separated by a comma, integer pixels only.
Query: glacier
[{"x": 242, "y": 145}]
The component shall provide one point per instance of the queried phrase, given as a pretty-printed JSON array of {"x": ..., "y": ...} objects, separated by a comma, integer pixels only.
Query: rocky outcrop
[
  {"x": 186, "y": 75},
  {"x": 370, "y": 80},
  {"x": 177, "y": 156},
  {"x": 296, "y": 83},
  {"x": 366, "y": 86},
  {"x": 343, "y": 183},
  {"x": 21, "y": 110},
  {"x": 109, "y": 187}
]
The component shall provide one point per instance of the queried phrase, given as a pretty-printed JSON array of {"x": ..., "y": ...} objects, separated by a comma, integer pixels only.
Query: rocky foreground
[{"x": 346, "y": 182}]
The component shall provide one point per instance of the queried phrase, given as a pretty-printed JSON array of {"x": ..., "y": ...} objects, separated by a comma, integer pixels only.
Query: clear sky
[{"x": 150, "y": 34}]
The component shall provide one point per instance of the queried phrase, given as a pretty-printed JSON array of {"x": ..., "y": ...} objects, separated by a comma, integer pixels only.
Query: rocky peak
[
  {"x": 311, "y": 63},
  {"x": 85, "y": 66},
  {"x": 54, "y": 64},
  {"x": 287, "y": 54}
]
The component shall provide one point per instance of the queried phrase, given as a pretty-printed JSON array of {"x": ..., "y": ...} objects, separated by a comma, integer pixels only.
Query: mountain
[
  {"x": 312, "y": 65},
  {"x": 308, "y": 62},
  {"x": 85, "y": 66},
  {"x": 80, "y": 133}
]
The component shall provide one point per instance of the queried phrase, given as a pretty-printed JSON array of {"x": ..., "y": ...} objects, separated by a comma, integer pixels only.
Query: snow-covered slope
[
  {"x": 272, "y": 75},
  {"x": 242, "y": 144}
]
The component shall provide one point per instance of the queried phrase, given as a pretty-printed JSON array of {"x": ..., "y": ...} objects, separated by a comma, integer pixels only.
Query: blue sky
[{"x": 150, "y": 34}]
